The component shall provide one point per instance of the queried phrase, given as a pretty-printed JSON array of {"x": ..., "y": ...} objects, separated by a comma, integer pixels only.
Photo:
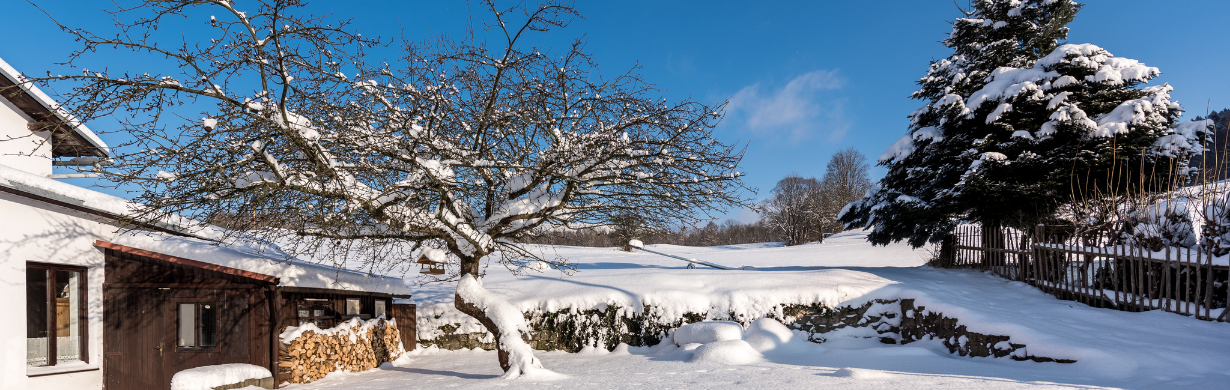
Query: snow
[
  {"x": 707, "y": 332},
  {"x": 766, "y": 334},
  {"x": 209, "y": 377},
  {"x": 435, "y": 255},
  {"x": 898, "y": 150},
  {"x": 266, "y": 259},
  {"x": 247, "y": 255},
  {"x": 38, "y": 185},
  {"x": 1112, "y": 348},
  {"x": 94, "y": 200},
  {"x": 730, "y": 352}
]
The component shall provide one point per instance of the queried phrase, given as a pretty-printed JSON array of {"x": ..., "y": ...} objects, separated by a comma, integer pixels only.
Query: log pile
[{"x": 351, "y": 346}]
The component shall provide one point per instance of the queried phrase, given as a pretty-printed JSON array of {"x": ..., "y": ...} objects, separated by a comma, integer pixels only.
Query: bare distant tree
[
  {"x": 845, "y": 180},
  {"x": 627, "y": 226},
  {"x": 457, "y": 146},
  {"x": 794, "y": 208}
]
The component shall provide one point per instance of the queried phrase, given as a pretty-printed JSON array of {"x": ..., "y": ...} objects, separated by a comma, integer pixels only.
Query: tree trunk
[
  {"x": 478, "y": 314},
  {"x": 515, "y": 354}
]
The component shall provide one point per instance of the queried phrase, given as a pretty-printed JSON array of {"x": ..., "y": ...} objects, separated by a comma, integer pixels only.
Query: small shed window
[
  {"x": 352, "y": 306},
  {"x": 379, "y": 308},
  {"x": 316, "y": 311},
  {"x": 198, "y": 325}
]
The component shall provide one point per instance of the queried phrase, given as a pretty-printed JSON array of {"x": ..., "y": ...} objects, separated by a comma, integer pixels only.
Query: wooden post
[
  {"x": 1208, "y": 292},
  {"x": 275, "y": 344}
]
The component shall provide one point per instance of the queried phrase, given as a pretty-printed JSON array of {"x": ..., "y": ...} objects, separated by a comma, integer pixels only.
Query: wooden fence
[{"x": 1132, "y": 278}]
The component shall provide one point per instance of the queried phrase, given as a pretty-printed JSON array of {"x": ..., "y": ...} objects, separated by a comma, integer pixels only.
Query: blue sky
[{"x": 804, "y": 78}]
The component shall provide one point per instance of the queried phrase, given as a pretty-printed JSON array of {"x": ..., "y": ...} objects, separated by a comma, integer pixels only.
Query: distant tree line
[
  {"x": 803, "y": 210},
  {"x": 730, "y": 232},
  {"x": 1215, "y": 160},
  {"x": 798, "y": 211}
]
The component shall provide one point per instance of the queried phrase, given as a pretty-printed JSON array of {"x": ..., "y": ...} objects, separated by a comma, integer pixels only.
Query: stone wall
[
  {"x": 918, "y": 323},
  {"x": 891, "y": 321},
  {"x": 572, "y": 330},
  {"x": 351, "y": 346}
]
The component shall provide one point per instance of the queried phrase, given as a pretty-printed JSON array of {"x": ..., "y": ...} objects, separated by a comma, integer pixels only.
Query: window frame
[
  {"x": 196, "y": 324},
  {"x": 380, "y": 308},
  {"x": 83, "y": 316},
  {"x": 329, "y": 315}
]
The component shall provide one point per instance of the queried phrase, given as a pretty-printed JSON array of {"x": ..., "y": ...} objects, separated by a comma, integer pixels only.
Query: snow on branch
[{"x": 466, "y": 147}]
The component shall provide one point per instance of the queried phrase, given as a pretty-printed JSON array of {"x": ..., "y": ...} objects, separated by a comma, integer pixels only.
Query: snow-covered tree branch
[{"x": 456, "y": 146}]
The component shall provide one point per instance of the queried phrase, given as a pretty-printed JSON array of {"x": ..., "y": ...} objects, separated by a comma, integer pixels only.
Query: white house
[
  {"x": 50, "y": 271},
  {"x": 69, "y": 323}
]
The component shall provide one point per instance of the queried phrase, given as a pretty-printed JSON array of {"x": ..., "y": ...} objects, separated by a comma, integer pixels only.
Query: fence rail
[{"x": 1180, "y": 280}]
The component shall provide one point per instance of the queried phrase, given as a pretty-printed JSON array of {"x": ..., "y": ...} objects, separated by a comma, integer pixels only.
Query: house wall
[
  {"x": 31, "y": 230},
  {"x": 19, "y": 148}
]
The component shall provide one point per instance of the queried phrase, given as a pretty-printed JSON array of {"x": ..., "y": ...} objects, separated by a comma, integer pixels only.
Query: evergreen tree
[{"x": 1013, "y": 121}]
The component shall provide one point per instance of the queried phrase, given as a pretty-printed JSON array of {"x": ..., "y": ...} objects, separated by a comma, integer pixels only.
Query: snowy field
[{"x": 1114, "y": 349}]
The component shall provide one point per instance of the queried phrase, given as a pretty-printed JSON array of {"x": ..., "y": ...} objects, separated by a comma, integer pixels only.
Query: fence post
[{"x": 948, "y": 250}]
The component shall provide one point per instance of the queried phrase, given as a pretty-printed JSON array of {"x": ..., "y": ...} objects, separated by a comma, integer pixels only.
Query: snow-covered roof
[
  {"x": 267, "y": 259},
  {"x": 29, "y": 183},
  {"x": 13, "y": 75},
  {"x": 264, "y": 259}
]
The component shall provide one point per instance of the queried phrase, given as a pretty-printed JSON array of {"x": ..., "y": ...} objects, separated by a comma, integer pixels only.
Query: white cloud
[{"x": 796, "y": 110}]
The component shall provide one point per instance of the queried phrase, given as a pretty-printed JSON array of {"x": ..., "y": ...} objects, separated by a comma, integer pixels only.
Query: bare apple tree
[{"x": 457, "y": 146}]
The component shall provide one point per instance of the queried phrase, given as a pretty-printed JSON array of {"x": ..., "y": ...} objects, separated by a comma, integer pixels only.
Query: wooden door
[{"x": 134, "y": 342}]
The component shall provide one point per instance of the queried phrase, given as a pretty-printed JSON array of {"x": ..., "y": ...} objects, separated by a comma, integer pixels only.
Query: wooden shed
[{"x": 165, "y": 313}]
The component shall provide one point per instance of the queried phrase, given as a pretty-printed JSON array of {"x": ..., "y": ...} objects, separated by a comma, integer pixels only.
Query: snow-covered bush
[
  {"x": 1216, "y": 228},
  {"x": 1167, "y": 223}
]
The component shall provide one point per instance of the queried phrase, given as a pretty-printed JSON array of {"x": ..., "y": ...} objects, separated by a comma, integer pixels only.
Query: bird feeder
[{"x": 430, "y": 267}]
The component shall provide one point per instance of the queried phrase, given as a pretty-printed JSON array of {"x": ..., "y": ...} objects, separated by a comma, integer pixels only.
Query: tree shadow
[{"x": 454, "y": 374}]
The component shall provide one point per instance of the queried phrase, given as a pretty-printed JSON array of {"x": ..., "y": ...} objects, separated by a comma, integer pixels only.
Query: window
[
  {"x": 55, "y": 314},
  {"x": 352, "y": 306},
  {"x": 380, "y": 309},
  {"x": 316, "y": 311},
  {"x": 198, "y": 325}
]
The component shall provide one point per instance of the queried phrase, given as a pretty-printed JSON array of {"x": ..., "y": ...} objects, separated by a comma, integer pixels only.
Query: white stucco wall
[
  {"x": 19, "y": 148},
  {"x": 31, "y": 230}
]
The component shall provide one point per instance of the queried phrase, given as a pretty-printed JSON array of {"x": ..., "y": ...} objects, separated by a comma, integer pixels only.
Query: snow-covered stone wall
[{"x": 892, "y": 321}]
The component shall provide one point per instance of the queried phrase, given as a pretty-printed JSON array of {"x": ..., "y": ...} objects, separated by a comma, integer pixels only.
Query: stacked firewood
[{"x": 348, "y": 348}]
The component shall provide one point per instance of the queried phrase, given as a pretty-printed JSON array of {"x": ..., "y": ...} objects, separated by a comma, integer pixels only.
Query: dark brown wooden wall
[
  {"x": 407, "y": 324},
  {"x": 140, "y": 315},
  {"x": 336, "y": 301}
]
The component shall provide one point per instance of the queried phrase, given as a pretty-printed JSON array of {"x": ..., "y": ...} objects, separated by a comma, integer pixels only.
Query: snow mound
[
  {"x": 732, "y": 352},
  {"x": 767, "y": 334},
  {"x": 209, "y": 377},
  {"x": 708, "y": 332}
]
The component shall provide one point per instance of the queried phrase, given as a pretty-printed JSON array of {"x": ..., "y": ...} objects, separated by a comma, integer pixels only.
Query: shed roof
[
  {"x": 174, "y": 240},
  {"x": 264, "y": 259}
]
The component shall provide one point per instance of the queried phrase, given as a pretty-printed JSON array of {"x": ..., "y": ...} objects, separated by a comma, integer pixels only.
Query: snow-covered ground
[{"x": 1112, "y": 348}]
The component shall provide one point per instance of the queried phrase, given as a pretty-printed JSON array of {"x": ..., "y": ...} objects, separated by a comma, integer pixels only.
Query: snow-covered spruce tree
[
  {"x": 1014, "y": 122},
  {"x": 458, "y": 147}
]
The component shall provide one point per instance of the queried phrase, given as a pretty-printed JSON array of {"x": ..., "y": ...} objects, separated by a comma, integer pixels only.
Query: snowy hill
[{"x": 1112, "y": 348}]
